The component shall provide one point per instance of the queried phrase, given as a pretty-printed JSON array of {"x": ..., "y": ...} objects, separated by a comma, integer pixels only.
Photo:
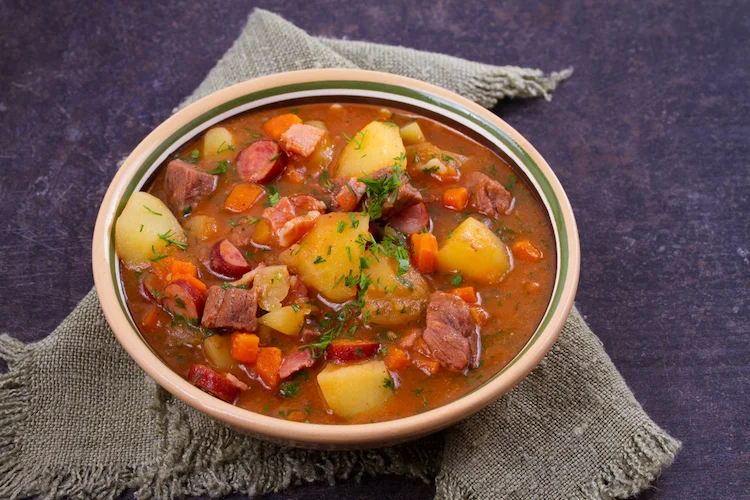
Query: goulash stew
[{"x": 336, "y": 263}]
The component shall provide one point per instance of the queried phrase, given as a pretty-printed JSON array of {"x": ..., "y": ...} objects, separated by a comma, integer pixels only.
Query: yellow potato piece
[
  {"x": 412, "y": 133},
  {"x": 353, "y": 389},
  {"x": 476, "y": 252},
  {"x": 218, "y": 144},
  {"x": 391, "y": 299},
  {"x": 329, "y": 253},
  {"x": 285, "y": 319},
  {"x": 138, "y": 227},
  {"x": 376, "y": 146},
  {"x": 218, "y": 350}
]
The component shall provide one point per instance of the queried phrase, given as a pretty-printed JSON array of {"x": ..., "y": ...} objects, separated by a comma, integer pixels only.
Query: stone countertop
[{"x": 649, "y": 138}]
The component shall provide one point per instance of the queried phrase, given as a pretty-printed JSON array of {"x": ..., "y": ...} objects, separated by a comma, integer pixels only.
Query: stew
[{"x": 336, "y": 263}]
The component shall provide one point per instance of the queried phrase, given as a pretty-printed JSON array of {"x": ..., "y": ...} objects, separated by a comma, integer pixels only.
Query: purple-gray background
[{"x": 650, "y": 138}]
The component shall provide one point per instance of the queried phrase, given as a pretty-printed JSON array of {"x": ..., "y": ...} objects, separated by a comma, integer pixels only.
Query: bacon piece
[
  {"x": 292, "y": 217},
  {"x": 296, "y": 361},
  {"x": 301, "y": 139},
  {"x": 348, "y": 195}
]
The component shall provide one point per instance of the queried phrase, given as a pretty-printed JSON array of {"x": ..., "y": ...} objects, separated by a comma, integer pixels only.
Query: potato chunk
[
  {"x": 376, "y": 146},
  {"x": 272, "y": 283},
  {"x": 329, "y": 253},
  {"x": 288, "y": 320},
  {"x": 391, "y": 299},
  {"x": 138, "y": 227},
  {"x": 353, "y": 389},
  {"x": 218, "y": 144},
  {"x": 412, "y": 133},
  {"x": 476, "y": 252}
]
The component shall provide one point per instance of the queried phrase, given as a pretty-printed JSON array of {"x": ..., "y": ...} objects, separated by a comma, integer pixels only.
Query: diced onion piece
[{"x": 272, "y": 284}]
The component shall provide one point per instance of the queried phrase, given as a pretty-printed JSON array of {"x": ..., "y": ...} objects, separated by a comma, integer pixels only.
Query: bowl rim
[{"x": 326, "y": 435}]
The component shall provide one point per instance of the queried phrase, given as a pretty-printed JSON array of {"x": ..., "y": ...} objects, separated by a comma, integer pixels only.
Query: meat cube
[
  {"x": 449, "y": 326},
  {"x": 292, "y": 217},
  {"x": 406, "y": 196},
  {"x": 230, "y": 308},
  {"x": 296, "y": 361},
  {"x": 488, "y": 196},
  {"x": 301, "y": 139},
  {"x": 348, "y": 195},
  {"x": 186, "y": 186}
]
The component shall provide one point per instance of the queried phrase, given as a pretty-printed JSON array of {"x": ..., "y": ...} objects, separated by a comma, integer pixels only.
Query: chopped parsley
[
  {"x": 169, "y": 238},
  {"x": 195, "y": 154},
  {"x": 358, "y": 142},
  {"x": 157, "y": 257},
  {"x": 319, "y": 260},
  {"x": 383, "y": 189},
  {"x": 274, "y": 158},
  {"x": 225, "y": 285},
  {"x": 290, "y": 389},
  {"x": 273, "y": 196},
  {"x": 389, "y": 384},
  {"x": 457, "y": 279},
  {"x": 221, "y": 168},
  {"x": 155, "y": 213},
  {"x": 341, "y": 226},
  {"x": 512, "y": 179},
  {"x": 224, "y": 147}
]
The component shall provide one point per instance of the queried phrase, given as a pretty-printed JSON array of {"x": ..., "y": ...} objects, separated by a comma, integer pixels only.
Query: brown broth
[{"x": 514, "y": 309}]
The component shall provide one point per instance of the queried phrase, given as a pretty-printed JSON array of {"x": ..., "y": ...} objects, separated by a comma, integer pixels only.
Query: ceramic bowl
[{"x": 337, "y": 85}]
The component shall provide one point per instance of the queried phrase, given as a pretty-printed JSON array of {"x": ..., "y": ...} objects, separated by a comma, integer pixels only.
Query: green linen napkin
[{"x": 79, "y": 419}]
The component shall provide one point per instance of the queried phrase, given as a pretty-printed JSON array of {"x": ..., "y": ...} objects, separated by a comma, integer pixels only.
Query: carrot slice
[
  {"x": 424, "y": 252},
  {"x": 267, "y": 365},
  {"x": 183, "y": 268},
  {"x": 467, "y": 293},
  {"x": 276, "y": 126},
  {"x": 526, "y": 251},
  {"x": 456, "y": 198},
  {"x": 245, "y": 347},
  {"x": 396, "y": 359},
  {"x": 198, "y": 284},
  {"x": 243, "y": 197},
  {"x": 262, "y": 234},
  {"x": 163, "y": 267}
]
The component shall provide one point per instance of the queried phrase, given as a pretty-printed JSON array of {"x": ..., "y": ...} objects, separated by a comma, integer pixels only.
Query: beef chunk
[
  {"x": 347, "y": 195},
  {"x": 186, "y": 186},
  {"x": 406, "y": 196},
  {"x": 488, "y": 196},
  {"x": 293, "y": 217},
  {"x": 230, "y": 308},
  {"x": 449, "y": 326}
]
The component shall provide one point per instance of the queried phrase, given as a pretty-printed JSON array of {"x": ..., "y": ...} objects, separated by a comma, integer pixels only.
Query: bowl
[{"x": 337, "y": 85}]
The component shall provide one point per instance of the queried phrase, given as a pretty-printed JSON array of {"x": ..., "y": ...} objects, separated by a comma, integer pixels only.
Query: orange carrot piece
[
  {"x": 243, "y": 197},
  {"x": 276, "y": 126},
  {"x": 427, "y": 365},
  {"x": 182, "y": 268},
  {"x": 456, "y": 198},
  {"x": 526, "y": 251},
  {"x": 151, "y": 319},
  {"x": 479, "y": 315},
  {"x": 163, "y": 267},
  {"x": 267, "y": 365},
  {"x": 262, "y": 234},
  {"x": 424, "y": 252},
  {"x": 396, "y": 359},
  {"x": 467, "y": 293},
  {"x": 245, "y": 347}
]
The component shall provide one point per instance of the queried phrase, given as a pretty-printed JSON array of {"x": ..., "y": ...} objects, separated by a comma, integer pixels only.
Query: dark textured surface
[{"x": 649, "y": 138}]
